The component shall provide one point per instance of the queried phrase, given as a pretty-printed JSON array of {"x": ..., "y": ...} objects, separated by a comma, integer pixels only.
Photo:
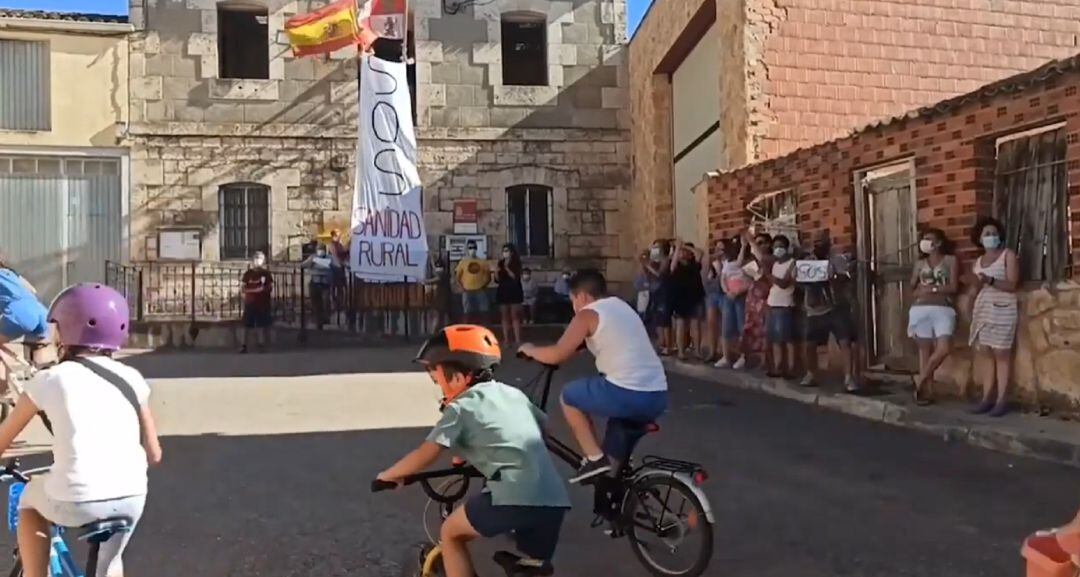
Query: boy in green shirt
[{"x": 499, "y": 432}]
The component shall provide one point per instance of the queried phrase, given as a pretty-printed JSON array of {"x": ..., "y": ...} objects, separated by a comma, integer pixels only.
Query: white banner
[{"x": 388, "y": 238}]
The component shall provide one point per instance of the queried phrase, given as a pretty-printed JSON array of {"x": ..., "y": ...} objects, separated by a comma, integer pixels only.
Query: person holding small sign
[
  {"x": 826, "y": 301},
  {"x": 932, "y": 318},
  {"x": 735, "y": 284}
]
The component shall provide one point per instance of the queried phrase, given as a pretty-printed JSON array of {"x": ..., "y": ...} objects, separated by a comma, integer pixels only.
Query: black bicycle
[{"x": 657, "y": 504}]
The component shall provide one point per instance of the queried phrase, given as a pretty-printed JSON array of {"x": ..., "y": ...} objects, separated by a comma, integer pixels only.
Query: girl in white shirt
[
  {"x": 780, "y": 329},
  {"x": 103, "y": 441}
]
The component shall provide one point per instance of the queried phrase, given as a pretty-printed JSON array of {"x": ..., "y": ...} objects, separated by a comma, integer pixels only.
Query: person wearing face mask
[
  {"x": 828, "y": 313},
  {"x": 631, "y": 383},
  {"x": 780, "y": 329},
  {"x": 321, "y": 265},
  {"x": 530, "y": 291},
  {"x": 658, "y": 268},
  {"x": 993, "y": 324},
  {"x": 438, "y": 288},
  {"x": 510, "y": 295},
  {"x": 686, "y": 297},
  {"x": 474, "y": 276},
  {"x": 932, "y": 318},
  {"x": 753, "y": 335},
  {"x": 257, "y": 285}
]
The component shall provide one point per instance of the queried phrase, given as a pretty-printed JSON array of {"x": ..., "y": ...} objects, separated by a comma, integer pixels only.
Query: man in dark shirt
[{"x": 257, "y": 286}]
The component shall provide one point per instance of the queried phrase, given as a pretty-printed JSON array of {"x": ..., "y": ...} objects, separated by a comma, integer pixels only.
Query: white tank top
[{"x": 624, "y": 354}]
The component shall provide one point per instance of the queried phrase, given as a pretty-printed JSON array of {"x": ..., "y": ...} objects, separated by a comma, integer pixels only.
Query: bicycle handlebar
[
  {"x": 427, "y": 477},
  {"x": 11, "y": 469}
]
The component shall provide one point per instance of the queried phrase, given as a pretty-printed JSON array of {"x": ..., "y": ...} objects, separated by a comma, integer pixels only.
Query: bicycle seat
[
  {"x": 102, "y": 530},
  {"x": 622, "y": 436},
  {"x": 510, "y": 564}
]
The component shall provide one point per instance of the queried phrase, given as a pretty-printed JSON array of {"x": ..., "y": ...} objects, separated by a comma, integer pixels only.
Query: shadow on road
[{"x": 174, "y": 364}]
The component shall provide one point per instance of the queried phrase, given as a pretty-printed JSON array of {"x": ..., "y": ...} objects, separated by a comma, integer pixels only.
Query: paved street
[{"x": 268, "y": 460}]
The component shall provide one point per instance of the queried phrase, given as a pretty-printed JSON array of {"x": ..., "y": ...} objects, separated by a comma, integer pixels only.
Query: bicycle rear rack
[{"x": 670, "y": 465}]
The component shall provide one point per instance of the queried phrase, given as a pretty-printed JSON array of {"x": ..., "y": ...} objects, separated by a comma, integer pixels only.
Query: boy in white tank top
[{"x": 631, "y": 383}]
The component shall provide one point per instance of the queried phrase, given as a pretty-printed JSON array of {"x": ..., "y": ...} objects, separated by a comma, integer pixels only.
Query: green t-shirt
[{"x": 499, "y": 431}]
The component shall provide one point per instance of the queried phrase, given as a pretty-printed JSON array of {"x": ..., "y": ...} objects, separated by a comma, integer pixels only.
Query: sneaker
[
  {"x": 243, "y": 349},
  {"x": 590, "y": 469},
  {"x": 739, "y": 364},
  {"x": 807, "y": 381},
  {"x": 722, "y": 363}
]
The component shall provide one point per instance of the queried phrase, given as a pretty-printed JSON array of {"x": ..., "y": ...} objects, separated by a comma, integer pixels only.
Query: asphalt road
[{"x": 796, "y": 491}]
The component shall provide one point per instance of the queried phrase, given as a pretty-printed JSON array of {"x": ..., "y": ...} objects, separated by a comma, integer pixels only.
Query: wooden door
[{"x": 890, "y": 249}]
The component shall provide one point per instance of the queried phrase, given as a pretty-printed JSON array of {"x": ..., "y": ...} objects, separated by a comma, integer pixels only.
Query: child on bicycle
[
  {"x": 631, "y": 384},
  {"x": 499, "y": 432},
  {"x": 104, "y": 435},
  {"x": 21, "y": 316}
]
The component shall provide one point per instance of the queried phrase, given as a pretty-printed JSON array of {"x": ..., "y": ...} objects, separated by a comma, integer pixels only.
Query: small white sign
[
  {"x": 456, "y": 243},
  {"x": 811, "y": 271},
  {"x": 179, "y": 245}
]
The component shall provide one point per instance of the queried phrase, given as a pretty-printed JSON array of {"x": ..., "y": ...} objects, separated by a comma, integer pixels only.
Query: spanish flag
[{"x": 330, "y": 28}]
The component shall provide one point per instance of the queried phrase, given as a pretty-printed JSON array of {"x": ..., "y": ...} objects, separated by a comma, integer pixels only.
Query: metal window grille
[
  {"x": 245, "y": 220},
  {"x": 1031, "y": 197},
  {"x": 529, "y": 215}
]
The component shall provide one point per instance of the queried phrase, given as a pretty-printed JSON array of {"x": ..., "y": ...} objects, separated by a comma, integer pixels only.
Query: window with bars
[
  {"x": 524, "y": 50},
  {"x": 1031, "y": 198},
  {"x": 529, "y": 218},
  {"x": 25, "y": 100},
  {"x": 245, "y": 220}
]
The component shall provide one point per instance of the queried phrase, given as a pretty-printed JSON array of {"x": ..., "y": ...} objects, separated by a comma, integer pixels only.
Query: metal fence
[{"x": 211, "y": 292}]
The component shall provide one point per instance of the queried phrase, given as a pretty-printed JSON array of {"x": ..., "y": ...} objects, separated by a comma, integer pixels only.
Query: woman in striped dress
[{"x": 993, "y": 324}]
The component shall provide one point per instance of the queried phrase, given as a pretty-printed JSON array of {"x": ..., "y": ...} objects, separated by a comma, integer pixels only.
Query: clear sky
[{"x": 636, "y": 8}]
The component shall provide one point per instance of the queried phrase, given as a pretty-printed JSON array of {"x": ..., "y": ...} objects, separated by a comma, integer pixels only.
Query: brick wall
[
  {"x": 953, "y": 151},
  {"x": 800, "y": 72},
  {"x": 832, "y": 65}
]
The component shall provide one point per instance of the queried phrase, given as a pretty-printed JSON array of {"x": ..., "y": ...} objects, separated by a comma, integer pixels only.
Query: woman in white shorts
[
  {"x": 932, "y": 318},
  {"x": 104, "y": 435}
]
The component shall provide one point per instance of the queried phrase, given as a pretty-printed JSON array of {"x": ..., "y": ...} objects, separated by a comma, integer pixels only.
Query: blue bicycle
[{"x": 61, "y": 562}]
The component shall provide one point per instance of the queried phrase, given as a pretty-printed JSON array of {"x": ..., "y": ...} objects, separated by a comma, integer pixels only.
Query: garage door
[
  {"x": 696, "y": 139},
  {"x": 60, "y": 218}
]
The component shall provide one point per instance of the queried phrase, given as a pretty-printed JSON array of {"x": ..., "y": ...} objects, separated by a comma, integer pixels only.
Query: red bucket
[{"x": 1046, "y": 558}]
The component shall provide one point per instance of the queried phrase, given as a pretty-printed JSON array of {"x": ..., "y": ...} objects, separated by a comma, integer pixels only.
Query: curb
[{"x": 951, "y": 425}]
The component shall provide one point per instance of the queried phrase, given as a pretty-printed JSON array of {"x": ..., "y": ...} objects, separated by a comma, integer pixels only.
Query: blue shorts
[
  {"x": 780, "y": 327},
  {"x": 597, "y": 396},
  {"x": 474, "y": 302},
  {"x": 734, "y": 316},
  {"x": 257, "y": 317},
  {"x": 714, "y": 301},
  {"x": 24, "y": 318},
  {"x": 535, "y": 529}
]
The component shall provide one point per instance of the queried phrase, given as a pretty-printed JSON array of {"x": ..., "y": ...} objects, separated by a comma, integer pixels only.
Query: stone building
[
  {"x": 520, "y": 106},
  {"x": 1010, "y": 149},
  {"x": 236, "y": 146},
  {"x": 716, "y": 84},
  {"x": 63, "y": 169}
]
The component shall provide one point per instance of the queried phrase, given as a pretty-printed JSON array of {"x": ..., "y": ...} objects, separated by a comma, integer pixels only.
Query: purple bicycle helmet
[{"x": 91, "y": 315}]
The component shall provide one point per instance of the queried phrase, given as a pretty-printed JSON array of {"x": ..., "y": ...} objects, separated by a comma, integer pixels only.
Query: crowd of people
[{"x": 741, "y": 305}]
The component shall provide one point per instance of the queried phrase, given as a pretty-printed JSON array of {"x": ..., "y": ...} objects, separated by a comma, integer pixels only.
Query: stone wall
[
  {"x": 192, "y": 131},
  {"x": 800, "y": 72},
  {"x": 176, "y": 182},
  {"x": 587, "y": 170},
  {"x": 459, "y": 66}
]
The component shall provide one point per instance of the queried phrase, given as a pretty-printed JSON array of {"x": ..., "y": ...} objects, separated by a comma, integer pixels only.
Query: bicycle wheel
[
  {"x": 667, "y": 526},
  {"x": 422, "y": 560}
]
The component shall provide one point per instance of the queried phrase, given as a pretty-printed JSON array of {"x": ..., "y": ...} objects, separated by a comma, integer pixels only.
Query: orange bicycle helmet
[{"x": 472, "y": 347}]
